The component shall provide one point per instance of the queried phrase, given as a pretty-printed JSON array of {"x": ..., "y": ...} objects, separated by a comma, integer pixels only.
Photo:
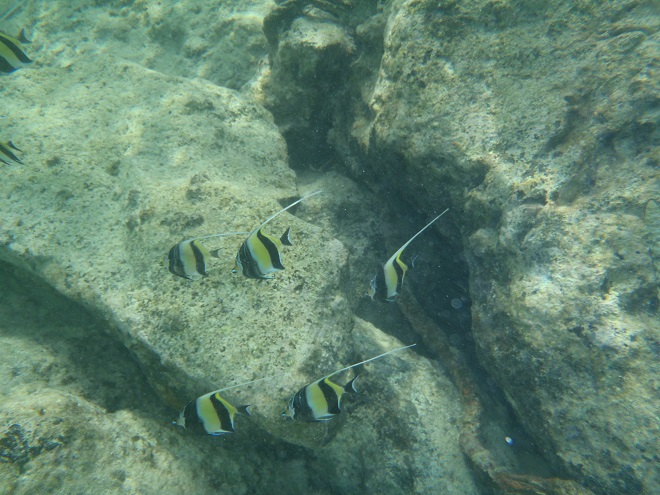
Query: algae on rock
[{"x": 540, "y": 123}]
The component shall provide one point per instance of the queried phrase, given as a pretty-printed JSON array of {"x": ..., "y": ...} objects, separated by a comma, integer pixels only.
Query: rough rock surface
[
  {"x": 120, "y": 162},
  {"x": 220, "y": 42},
  {"x": 540, "y": 122},
  {"x": 78, "y": 416}
]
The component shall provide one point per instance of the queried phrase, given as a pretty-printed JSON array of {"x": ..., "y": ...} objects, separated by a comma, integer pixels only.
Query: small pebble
[{"x": 456, "y": 303}]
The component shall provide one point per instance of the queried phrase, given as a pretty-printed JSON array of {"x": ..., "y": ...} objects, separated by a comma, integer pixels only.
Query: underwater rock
[
  {"x": 303, "y": 86},
  {"x": 121, "y": 163},
  {"x": 535, "y": 130},
  {"x": 537, "y": 125},
  {"x": 78, "y": 416},
  {"x": 94, "y": 213},
  {"x": 219, "y": 42}
]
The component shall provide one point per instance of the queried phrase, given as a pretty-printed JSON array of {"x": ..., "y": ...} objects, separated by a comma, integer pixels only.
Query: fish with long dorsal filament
[
  {"x": 259, "y": 255},
  {"x": 387, "y": 283},
  {"x": 189, "y": 259},
  {"x": 321, "y": 399},
  {"x": 211, "y": 413}
]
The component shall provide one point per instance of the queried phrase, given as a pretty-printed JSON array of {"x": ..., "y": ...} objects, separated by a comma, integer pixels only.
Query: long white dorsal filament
[
  {"x": 369, "y": 360},
  {"x": 284, "y": 209},
  {"x": 400, "y": 250},
  {"x": 224, "y": 234},
  {"x": 245, "y": 383}
]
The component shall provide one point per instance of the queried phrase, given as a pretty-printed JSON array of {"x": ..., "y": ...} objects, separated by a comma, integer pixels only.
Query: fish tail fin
[
  {"x": 215, "y": 253},
  {"x": 244, "y": 410},
  {"x": 22, "y": 38},
  {"x": 350, "y": 386},
  {"x": 286, "y": 238}
]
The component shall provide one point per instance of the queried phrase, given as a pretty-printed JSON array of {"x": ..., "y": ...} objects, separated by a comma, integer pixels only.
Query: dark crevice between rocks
[
  {"x": 437, "y": 287},
  {"x": 435, "y": 303}
]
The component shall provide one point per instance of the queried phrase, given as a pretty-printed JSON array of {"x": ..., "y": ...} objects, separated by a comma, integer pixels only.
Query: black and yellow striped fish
[
  {"x": 321, "y": 400},
  {"x": 259, "y": 255},
  {"x": 12, "y": 56},
  {"x": 212, "y": 414},
  {"x": 387, "y": 283},
  {"x": 8, "y": 149},
  {"x": 188, "y": 259}
]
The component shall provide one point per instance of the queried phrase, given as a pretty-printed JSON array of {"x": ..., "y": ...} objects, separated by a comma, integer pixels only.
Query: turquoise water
[{"x": 532, "y": 304}]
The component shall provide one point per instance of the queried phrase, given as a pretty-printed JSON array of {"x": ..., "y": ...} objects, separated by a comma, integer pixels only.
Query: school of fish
[
  {"x": 12, "y": 58},
  {"x": 259, "y": 257}
]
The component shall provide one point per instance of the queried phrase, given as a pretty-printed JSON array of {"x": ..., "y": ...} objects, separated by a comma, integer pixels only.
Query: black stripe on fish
[
  {"x": 174, "y": 263},
  {"x": 332, "y": 399},
  {"x": 273, "y": 250},
  {"x": 378, "y": 290},
  {"x": 300, "y": 407},
  {"x": 249, "y": 265},
  {"x": 400, "y": 269},
  {"x": 200, "y": 259},
  {"x": 6, "y": 149},
  {"x": 226, "y": 421},
  {"x": 192, "y": 420}
]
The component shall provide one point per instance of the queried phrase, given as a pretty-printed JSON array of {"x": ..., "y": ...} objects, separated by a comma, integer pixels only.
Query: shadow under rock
[{"x": 58, "y": 344}]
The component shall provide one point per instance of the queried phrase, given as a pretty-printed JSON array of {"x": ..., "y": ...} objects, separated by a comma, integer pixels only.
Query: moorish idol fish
[
  {"x": 260, "y": 255},
  {"x": 6, "y": 149},
  {"x": 385, "y": 286},
  {"x": 188, "y": 258},
  {"x": 212, "y": 414},
  {"x": 321, "y": 400},
  {"x": 12, "y": 56}
]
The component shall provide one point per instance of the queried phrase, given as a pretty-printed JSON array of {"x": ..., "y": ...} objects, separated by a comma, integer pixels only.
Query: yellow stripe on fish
[
  {"x": 12, "y": 56},
  {"x": 321, "y": 400},
  {"x": 259, "y": 255},
  {"x": 189, "y": 259},
  {"x": 387, "y": 283}
]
